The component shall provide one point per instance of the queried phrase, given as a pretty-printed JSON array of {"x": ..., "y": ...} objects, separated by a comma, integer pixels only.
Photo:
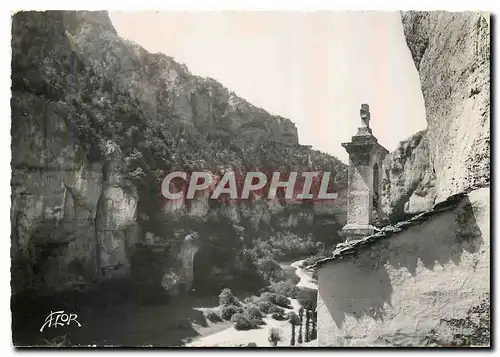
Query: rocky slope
[
  {"x": 97, "y": 122},
  {"x": 451, "y": 52}
]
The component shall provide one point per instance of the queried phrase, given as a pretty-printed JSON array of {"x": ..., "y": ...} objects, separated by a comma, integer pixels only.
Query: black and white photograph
[{"x": 250, "y": 179}]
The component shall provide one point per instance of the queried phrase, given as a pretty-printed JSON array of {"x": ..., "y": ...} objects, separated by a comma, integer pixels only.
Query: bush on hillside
[
  {"x": 276, "y": 309},
  {"x": 276, "y": 299},
  {"x": 286, "y": 245},
  {"x": 213, "y": 316},
  {"x": 253, "y": 311},
  {"x": 251, "y": 300},
  {"x": 264, "y": 306},
  {"x": 228, "y": 311},
  {"x": 242, "y": 321},
  {"x": 284, "y": 288},
  {"x": 278, "y": 316},
  {"x": 282, "y": 301},
  {"x": 226, "y": 298}
]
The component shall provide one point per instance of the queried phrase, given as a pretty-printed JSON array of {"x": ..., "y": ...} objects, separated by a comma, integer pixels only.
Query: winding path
[
  {"x": 306, "y": 280},
  {"x": 231, "y": 337}
]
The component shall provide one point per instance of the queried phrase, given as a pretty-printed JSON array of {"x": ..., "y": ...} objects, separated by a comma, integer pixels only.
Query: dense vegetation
[
  {"x": 274, "y": 301},
  {"x": 116, "y": 128}
]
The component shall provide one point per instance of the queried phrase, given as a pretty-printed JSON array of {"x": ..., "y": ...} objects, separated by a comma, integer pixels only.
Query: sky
[{"x": 315, "y": 68}]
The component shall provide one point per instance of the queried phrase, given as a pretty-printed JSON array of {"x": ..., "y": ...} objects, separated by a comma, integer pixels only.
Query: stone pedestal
[{"x": 365, "y": 158}]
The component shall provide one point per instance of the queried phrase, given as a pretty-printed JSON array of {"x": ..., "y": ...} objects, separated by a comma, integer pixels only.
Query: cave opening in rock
[{"x": 202, "y": 284}]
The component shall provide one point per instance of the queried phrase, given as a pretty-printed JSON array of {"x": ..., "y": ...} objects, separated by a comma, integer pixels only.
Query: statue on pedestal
[{"x": 364, "y": 113}]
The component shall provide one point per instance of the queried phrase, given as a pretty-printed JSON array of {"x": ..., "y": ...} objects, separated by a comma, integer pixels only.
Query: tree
[
  {"x": 270, "y": 270},
  {"x": 274, "y": 336},
  {"x": 301, "y": 319},
  {"x": 293, "y": 319},
  {"x": 314, "y": 332},
  {"x": 307, "y": 336}
]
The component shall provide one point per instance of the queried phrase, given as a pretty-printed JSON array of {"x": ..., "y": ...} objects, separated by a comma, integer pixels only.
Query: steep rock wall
[
  {"x": 407, "y": 179},
  {"x": 451, "y": 52},
  {"x": 55, "y": 191},
  {"x": 96, "y": 123},
  {"x": 164, "y": 86}
]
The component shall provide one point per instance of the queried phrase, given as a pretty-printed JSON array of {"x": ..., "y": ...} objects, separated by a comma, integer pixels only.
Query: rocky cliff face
[
  {"x": 451, "y": 52},
  {"x": 97, "y": 122},
  {"x": 162, "y": 85},
  {"x": 408, "y": 180}
]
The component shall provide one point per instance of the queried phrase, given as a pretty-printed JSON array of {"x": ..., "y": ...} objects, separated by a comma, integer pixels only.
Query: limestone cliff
[
  {"x": 451, "y": 52},
  {"x": 97, "y": 122},
  {"x": 162, "y": 85},
  {"x": 408, "y": 181}
]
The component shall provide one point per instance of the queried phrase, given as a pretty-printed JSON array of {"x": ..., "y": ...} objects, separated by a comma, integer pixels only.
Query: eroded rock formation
[
  {"x": 97, "y": 121},
  {"x": 451, "y": 52}
]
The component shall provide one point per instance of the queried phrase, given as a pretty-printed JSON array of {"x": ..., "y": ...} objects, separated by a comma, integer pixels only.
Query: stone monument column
[{"x": 365, "y": 159}]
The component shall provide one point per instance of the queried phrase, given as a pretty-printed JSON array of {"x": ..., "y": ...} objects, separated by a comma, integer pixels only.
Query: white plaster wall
[{"x": 396, "y": 291}]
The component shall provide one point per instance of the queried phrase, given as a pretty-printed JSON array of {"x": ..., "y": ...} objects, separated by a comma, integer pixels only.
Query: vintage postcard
[{"x": 250, "y": 179}]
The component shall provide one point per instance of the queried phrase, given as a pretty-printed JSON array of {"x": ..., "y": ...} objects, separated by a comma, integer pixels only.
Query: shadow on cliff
[
  {"x": 361, "y": 287},
  {"x": 108, "y": 317}
]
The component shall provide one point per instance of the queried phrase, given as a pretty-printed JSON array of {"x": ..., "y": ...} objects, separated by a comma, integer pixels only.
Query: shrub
[
  {"x": 213, "y": 316},
  {"x": 250, "y": 300},
  {"x": 243, "y": 322},
  {"x": 280, "y": 316},
  {"x": 286, "y": 245},
  {"x": 253, "y": 311},
  {"x": 252, "y": 344},
  {"x": 276, "y": 299},
  {"x": 226, "y": 298},
  {"x": 282, "y": 301},
  {"x": 259, "y": 322},
  {"x": 264, "y": 306},
  {"x": 228, "y": 311},
  {"x": 284, "y": 288},
  {"x": 274, "y": 336},
  {"x": 293, "y": 318},
  {"x": 266, "y": 296},
  {"x": 276, "y": 309}
]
